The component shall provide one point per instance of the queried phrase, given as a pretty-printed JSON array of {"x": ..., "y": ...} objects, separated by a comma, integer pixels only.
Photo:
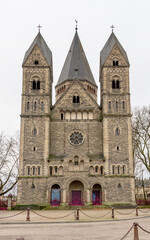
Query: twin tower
[{"x": 76, "y": 152}]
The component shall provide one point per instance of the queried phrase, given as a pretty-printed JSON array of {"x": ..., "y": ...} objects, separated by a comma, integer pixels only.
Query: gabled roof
[
  {"x": 76, "y": 65},
  {"x": 112, "y": 40},
  {"x": 68, "y": 89},
  {"x": 40, "y": 42}
]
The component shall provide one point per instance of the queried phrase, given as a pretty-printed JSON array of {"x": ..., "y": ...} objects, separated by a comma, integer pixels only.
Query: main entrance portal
[{"x": 76, "y": 193}]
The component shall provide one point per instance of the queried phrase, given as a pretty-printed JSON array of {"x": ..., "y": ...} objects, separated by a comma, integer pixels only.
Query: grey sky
[{"x": 19, "y": 20}]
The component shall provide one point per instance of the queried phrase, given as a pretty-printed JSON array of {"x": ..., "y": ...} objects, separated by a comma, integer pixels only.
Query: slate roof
[
  {"x": 76, "y": 65},
  {"x": 40, "y": 42},
  {"x": 112, "y": 40}
]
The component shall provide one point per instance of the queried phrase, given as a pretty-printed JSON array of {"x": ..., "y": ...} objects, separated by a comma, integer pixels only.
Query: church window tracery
[{"x": 76, "y": 138}]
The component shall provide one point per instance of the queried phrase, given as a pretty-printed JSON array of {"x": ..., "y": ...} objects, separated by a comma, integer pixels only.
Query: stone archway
[
  {"x": 97, "y": 194},
  {"x": 76, "y": 193}
]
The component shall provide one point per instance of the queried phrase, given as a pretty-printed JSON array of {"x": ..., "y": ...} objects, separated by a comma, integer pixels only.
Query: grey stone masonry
[{"x": 76, "y": 152}]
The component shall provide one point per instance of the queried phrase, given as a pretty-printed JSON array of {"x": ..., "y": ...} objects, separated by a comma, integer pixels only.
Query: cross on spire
[
  {"x": 76, "y": 25},
  {"x": 112, "y": 27},
  {"x": 39, "y": 26}
]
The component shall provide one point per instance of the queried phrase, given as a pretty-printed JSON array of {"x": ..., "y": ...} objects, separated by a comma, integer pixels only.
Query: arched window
[
  {"x": 117, "y": 148},
  {"x": 38, "y": 84},
  {"x": 74, "y": 99},
  {"x": 33, "y": 170},
  {"x": 62, "y": 116},
  {"x": 78, "y": 99},
  {"x": 117, "y": 131},
  {"x": 123, "y": 169},
  {"x": 102, "y": 170},
  {"x": 50, "y": 171},
  {"x": 28, "y": 171},
  {"x": 56, "y": 169},
  {"x": 117, "y": 84},
  {"x": 34, "y": 106},
  {"x": 34, "y": 132},
  {"x": 113, "y": 169},
  {"x": 28, "y": 105},
  {"x": 116, "y": 106},
  {"x": 113, "y": 84},
  {"x": 123, "y": 105},
  {"x": 96, "y": 169},
  {"x": 118, "y": 169},
  {"x": 109, "y": 105},
  {"x": 38, "y": 170},
  {"x": 34, "y": 85},
  {"x": 42, "y": 105}
]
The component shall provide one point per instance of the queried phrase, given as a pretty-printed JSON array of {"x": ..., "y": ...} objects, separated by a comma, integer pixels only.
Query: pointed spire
[
  {"x": 40, "y": 42},
  {"x": 112, "y": 40},
  {"x": 76, "y": 65}
]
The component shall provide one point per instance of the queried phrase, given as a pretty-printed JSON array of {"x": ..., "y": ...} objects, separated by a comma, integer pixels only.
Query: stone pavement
[{"x": 68, "y": 229}]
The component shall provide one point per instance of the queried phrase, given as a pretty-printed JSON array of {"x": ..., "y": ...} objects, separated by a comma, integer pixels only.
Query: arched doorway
[
  {"x": 55, "y": 195},
  {"x": 76, "y": 193},
  {"x": 97, "y": 194}
]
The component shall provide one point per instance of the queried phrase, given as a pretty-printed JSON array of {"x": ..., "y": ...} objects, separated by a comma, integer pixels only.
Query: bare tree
[
  {"x": 9, "y": 155},
  {"x": 141, "y": 136}
]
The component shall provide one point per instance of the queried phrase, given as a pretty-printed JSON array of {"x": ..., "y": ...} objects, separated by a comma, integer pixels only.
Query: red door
[
  {"x": 76, "y": 198},
  {"x": 96, "y": 197}
]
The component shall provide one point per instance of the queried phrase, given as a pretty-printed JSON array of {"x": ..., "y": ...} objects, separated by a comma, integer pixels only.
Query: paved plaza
[{"x": 90, "y": 226}]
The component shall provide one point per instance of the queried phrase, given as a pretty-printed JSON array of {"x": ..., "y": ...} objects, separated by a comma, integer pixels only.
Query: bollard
[
  {"x": 136, "y": 211},
  {"x": 20, "y": 238},
  {"x": 77, "y": 214},
  {"x": 113, "y": 213},
  {"x": 136, "y": 236},
  {"x": 28, "y": 214}
]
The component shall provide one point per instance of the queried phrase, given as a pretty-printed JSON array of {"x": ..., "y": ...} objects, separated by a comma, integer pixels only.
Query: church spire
[
  {"x": 40, "y": 42},
  {"x": 76, "y": 65}
]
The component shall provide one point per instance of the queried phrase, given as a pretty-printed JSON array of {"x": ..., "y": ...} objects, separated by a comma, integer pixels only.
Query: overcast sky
[{"x": 19, "y": 20}]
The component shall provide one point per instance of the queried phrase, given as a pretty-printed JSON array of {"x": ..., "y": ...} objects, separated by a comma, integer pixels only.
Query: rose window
[{"x": 76, "y": 138}]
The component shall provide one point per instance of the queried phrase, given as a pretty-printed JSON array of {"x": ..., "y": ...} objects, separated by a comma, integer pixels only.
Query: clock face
[{"x": 76, "y": 138}]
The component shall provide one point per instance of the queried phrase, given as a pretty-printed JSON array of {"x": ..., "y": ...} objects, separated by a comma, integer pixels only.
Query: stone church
[{"x": 76, "y": 152}]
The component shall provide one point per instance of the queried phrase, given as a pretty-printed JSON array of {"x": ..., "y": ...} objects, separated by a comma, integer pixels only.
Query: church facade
[{"x": 76, "y": 152}]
